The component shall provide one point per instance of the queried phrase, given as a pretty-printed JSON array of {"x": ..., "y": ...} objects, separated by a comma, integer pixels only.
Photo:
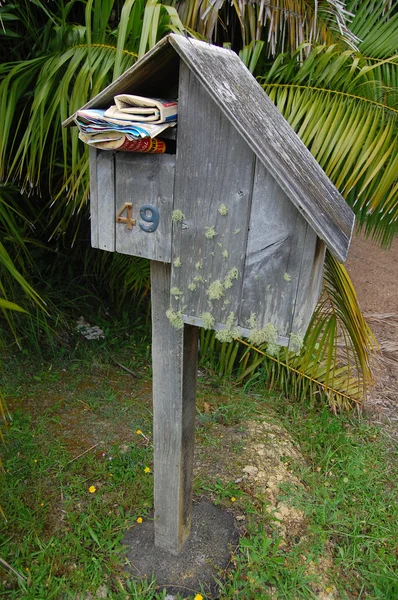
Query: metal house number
[{"x": 148, "y": 213}]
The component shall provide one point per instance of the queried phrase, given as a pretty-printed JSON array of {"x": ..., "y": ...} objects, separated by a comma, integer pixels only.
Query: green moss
[
  {"x": 210, "y": 233},
  {"x": 223, "y": 210},
  {"x": 253, "y": 321},
  {"x": 267, "y": 335},
  {"x": 296, "y": 343},
  {"x": 225, "y": 253},
  {"x": 229, "y": 278},
  {"x": 215, "y": 290},
  {"x": 273, "y": 349},
  {"x": 236, "y": 231},
  {"x": 198, "y": 265},
  {"x": 177, "y": 216},
  {"x": 287, "y": 277},
  {"x": 176, "y": 292},
  {"x": 175, "y": 318},
  {"x": 192, "y": 286},
  {"x": 198, "y": 278},
  {"x": 177, "y": 262},
  {"x": 208, "y": 320},
  {"x": 231, "y": 332}
]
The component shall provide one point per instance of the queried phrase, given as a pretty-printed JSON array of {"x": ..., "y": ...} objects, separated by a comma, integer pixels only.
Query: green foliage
[
  {"x": 60, "y": 539},
  {"x": 333, "y": 74},
  {"x": 344, "y": 108}
]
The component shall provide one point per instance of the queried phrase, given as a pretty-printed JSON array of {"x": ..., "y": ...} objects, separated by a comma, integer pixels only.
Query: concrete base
[{"x": 213, "y": 537}]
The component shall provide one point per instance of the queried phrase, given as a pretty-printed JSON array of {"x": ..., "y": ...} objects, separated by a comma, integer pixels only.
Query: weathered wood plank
[
  {"x": 174, "y": 363},
  {"x": 213, "y": 183},
  {"x": 93, "y": 197},
  {"x": 243, "y": 331},
  {"x": 274, "y": 256},
  {"x": 145, "y": 180},
  {"x": 247, "y": 106},
  {"x": 310, "y": 282},
  {"x": 106, "y": 200}
]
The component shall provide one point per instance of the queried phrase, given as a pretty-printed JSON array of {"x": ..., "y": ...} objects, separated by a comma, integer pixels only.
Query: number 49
[{"x": 149, "y": 217}]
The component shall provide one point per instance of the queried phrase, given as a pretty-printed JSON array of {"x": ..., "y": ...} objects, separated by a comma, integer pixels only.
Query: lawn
[{"x": 313, "y": 495}]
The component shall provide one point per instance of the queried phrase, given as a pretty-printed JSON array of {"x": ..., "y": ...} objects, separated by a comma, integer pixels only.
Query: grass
[{"x": 74, "y": 429}]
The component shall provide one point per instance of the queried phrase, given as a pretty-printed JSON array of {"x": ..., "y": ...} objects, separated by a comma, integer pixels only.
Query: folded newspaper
[
  {"x": 138, "y": 108},
  {"x": 112, "y": 129}
]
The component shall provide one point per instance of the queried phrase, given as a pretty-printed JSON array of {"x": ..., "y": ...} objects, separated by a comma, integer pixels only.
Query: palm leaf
[
  {"x": 283, "y": 24},
  {"x": 348, "y": 120}
]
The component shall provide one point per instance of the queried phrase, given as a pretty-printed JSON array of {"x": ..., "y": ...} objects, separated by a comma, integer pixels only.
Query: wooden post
[{"x": 174, "y": 364}]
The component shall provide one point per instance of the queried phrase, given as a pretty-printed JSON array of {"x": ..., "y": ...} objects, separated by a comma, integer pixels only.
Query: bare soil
[{"x": 374, "y": 273}]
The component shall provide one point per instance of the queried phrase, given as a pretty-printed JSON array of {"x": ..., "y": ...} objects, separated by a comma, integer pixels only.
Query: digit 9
[{"x": 150, "y": 215}]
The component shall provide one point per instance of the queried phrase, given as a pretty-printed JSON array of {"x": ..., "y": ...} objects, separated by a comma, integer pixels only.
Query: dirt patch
[
  {"x": 208, "y": 550},
  {"x": 260, "y": 457},
  {"x": 374, "y": 273}
]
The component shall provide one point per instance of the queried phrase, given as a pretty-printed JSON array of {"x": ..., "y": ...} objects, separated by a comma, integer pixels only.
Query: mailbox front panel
[
  {"x": 146, "y": 182},
  {"x": 131, "y": 203}
]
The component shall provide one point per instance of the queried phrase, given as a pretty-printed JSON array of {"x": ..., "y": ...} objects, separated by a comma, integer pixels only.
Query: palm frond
[
  {"x": 283, "y": 24},
  {"x": 376, "y": 24},
  {"x": 32, "y": 146},
  {"x": 348, "y": 119}
]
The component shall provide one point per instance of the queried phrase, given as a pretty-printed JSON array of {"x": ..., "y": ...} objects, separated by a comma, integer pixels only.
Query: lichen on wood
[
  {"x": 208, "y": 320},
  {"x": 223, "y": 210},
  {"x": 231, "y": 332},
  {"x": 210, "y": 233},
  {"x": 175, "y": 318},
  {"x": 176, "y": 292},
  {"x": 215, "y": 290},
  {"x": 177, "y": 216}
]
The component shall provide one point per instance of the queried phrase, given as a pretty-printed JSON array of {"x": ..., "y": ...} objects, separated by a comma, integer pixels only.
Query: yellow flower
[
  {"x": 139, "y": 520},
  {"x": 233, "y": 499},
  {"x": 147, "y": 470},
  {"x": 198, "y": 597},
  {"x": 92, "y": 489},
  {"x": 35, "y": 460},
  {"x": 139, "y": 432},
  {"x": 41, "y": 503}
]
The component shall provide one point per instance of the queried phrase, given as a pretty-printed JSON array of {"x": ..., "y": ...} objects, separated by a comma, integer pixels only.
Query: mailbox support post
[{"x": 174, "y": 364}]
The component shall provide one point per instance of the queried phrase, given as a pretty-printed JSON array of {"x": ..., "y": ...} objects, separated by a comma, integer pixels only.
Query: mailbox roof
[{"x": 243, "y": 101}]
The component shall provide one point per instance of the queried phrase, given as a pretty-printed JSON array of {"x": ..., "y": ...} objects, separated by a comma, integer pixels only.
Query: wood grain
[
  {"x": 145, "y": 180},
  {"x": 274, "y": 256},
  {"x": 106, "y": 201},
  {"x": 93, "y": 198},
  {"x": 174, "y": 364},
  {"x": 247, "y": 106},
  {"x": 214, "y": 173}
]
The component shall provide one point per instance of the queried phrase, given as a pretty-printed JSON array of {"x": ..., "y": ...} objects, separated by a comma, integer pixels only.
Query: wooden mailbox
[{"x": 236, "y": 224}]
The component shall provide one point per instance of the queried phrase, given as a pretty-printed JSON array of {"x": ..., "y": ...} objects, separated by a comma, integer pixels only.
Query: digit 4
[{"x": 130, "y": 222}]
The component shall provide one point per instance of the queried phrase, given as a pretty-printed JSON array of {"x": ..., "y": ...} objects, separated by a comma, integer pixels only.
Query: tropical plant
[{"x": 330, "y": 66}]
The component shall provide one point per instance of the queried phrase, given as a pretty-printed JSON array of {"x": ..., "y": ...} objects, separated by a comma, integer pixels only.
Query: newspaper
[
  {"x": 115, "y": 140},
  {"x": 131, "y": 125},
  {"x": 140, "y": 109},
  {"x": 93, "y": 120}
]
